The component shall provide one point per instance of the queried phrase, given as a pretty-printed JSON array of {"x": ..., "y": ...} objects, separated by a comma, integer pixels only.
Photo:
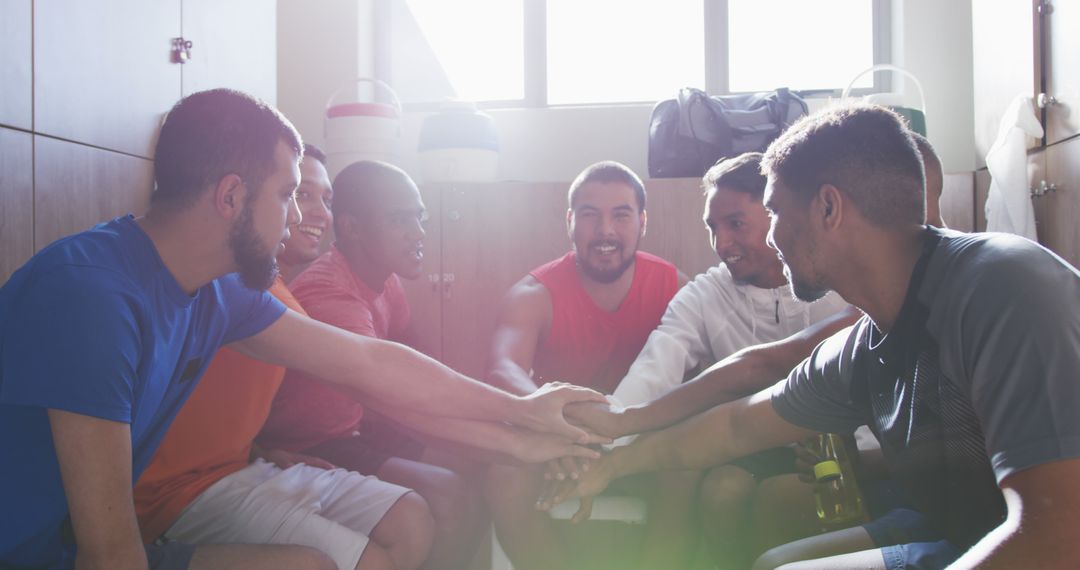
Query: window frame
[{"x": 716, "y": 58}]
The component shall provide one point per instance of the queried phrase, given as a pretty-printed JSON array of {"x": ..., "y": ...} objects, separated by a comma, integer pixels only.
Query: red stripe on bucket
[{"x": 362, "y": 110}]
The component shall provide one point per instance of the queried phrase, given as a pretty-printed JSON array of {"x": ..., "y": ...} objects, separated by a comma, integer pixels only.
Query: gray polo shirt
[{"x": 978, "y": 379}]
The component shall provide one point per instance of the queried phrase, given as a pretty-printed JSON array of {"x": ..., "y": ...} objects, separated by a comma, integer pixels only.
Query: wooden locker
[
  {"x": 77, "y": 186},
  {"x": 16, "y": 200}
]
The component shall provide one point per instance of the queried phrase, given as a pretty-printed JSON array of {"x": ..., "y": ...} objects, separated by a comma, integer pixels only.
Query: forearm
[
  {"x": 129, "y": 555},
  {"x": 715, "y": 437},
  {"x": 405, "y": 378},
  {"x": 380, "y": 369},
  {"x": 485, "y": 435},
  {"x": 737, "y": 376},
  {"x": 510, "y": 377}
]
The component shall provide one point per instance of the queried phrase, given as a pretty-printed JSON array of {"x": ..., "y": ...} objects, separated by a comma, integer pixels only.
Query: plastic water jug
[
  {"x": 916, "y": 117},
  {"x": 362, "y": 129},
  {"x": 459, "y": 144}
]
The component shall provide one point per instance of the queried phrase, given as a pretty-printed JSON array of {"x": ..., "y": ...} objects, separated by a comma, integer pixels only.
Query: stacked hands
[
  {"x": 562, "y": 425},
  {"x": 584, "y": 476}
]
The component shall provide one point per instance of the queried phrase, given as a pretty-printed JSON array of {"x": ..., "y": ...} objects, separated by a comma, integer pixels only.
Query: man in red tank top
[{"x": 582, "y": 319}]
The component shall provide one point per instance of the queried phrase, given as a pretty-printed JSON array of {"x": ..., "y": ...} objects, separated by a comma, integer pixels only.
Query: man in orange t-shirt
[
  {"x": 357, "y": 286},
  {"x": 202, "y": 486}
]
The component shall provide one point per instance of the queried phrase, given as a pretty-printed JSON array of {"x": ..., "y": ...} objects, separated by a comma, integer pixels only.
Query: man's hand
[
  {"x": 585, "y": 505},
  {"x": 805, "y": 460},
  {"x": 286, "y": 459},
  {"x": 588, "y": 484},
  {"x": 566, "y": 468},
  {"x": 543, "y": 411},
  {"x": 600, "y": 418},
  {"x": 532, "y": 447}
]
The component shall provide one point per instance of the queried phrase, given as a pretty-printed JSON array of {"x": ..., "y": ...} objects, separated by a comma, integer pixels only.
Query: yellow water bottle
[{"x": 836, "y": 491}]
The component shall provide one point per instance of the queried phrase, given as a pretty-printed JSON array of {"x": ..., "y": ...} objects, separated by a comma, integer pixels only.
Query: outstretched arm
[
  {"x": 487, "y": 441},
  {"x": 743, "y": 373},
  {"x": 403, "y": 377},
  {"x": 523, "y": 319},
  {"x": 724, "y": 433}
]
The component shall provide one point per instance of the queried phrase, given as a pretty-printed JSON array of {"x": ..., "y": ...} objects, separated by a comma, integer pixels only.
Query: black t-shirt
[{"x": 976, "y": 380}]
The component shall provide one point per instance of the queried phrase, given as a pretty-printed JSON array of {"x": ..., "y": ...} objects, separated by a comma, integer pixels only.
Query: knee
[
  {"x": 509, "y": 490},
  {"x": 375, "y": 557},
  {"x": 450, "y": 497},
  {"x": 304, "y": 557},
  {"x": 316, "y": 560},
  {"x": 724, "y": 487},
  {"x": 407, "y": 531}
]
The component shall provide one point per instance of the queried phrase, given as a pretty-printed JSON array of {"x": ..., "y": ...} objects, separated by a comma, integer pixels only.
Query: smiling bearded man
[{"x": 580, "y": 319}]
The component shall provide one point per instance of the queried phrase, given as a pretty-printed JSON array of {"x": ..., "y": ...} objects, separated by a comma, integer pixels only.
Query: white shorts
[{"x": 331, "y": 510}]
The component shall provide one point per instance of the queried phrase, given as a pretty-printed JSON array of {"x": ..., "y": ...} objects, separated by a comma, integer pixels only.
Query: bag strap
[{"x": 720, "y": 134}]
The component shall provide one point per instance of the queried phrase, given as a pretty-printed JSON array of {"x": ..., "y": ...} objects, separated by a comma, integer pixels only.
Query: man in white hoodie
[{"x": 743, "y": 302}]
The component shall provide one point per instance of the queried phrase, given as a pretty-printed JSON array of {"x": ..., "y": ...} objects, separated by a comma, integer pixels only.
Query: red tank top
[{"x": 588, "y": 346}]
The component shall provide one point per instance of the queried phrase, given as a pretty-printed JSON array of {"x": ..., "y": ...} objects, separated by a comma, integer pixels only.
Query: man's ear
[
  {"x": 570, "y": 223},
  {"x": 644, "y": 222},
  {"x": 829, "y": 206},
  {"x": 229, "y": 196},
  {"x": 348, "y": 226}
]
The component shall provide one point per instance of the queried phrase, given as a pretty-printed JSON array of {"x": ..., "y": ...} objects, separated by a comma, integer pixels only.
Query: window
[
  {"x": 614, "y": 51},
  {"x": 464, "y": 49},
  {"x": 799, "y": 44},
  {"x": 532, "y": 53}
]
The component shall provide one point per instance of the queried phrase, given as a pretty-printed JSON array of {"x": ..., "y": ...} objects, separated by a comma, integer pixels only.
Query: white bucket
[
  {"x": 361, "y": 130},
  {"x": 459, "y": 144}
]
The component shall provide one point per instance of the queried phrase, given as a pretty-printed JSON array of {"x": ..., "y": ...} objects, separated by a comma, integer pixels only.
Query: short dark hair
[
  {"x": 210, "y": 134},
  {"x": 312, "y": 151},
  {"x": 742, "y": 174},
  {"x": 354, "y": 185},
  {"x": 608, "y": 171},
  {"x": 864, "y": 150},
  {"x": 930, "y": 158}
]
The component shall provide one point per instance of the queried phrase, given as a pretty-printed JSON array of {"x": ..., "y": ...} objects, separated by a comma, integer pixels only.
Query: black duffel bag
[{"x": 690, "y": 133}]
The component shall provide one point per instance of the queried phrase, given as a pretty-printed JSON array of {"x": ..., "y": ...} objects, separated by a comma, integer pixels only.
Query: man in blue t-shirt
[
  {"x": 964, "y": 365},
  {"x": 105, "y": 333}
]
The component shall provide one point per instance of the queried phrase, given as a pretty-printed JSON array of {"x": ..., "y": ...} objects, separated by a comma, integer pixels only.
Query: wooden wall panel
[
  {"x": 492, "y": 235},
  {"x": 102, "y": 71},
  {"x": 982, "y": 189},
  {"x": 1062, "y": 68},
  {"x": 676, "y": 232},
  {"x": 228, "y": 37},
  {"x": 16, "y": 200},
  {"x": 958, "y": 201},
  {"x": 76, "y": 186},
  {"x": 15, "y": 64}
]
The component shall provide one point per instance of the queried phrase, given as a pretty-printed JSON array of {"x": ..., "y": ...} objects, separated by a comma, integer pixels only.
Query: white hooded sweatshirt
[{"x": 709, "y": 319}]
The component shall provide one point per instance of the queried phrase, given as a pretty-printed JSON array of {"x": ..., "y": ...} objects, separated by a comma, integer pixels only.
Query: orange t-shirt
[{"x": 212, "y": 434}]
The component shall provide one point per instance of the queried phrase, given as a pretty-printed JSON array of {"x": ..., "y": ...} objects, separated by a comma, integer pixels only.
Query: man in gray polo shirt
[{"x": 965, "y": 365}]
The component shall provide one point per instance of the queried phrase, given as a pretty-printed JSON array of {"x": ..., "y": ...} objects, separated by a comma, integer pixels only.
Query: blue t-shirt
[{"x": 95, "y": 324}]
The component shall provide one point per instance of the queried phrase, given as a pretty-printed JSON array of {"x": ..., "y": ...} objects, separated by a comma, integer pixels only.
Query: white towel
[{"x": 1008, "y": 206}]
